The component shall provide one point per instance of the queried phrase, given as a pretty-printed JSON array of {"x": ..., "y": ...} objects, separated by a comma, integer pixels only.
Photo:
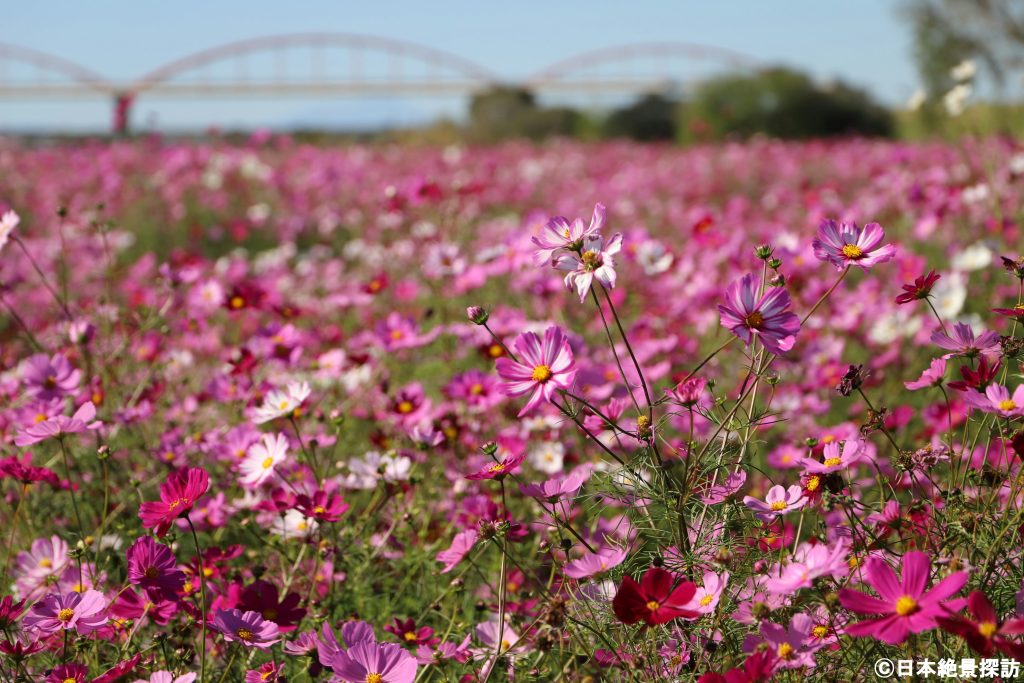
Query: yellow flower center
[
  {"x": 476, "y": 389},
  {"x": 906, "y": 605},
  {"x": 813, "y": 482},
  {"x": 833, "y": 462},
  {"x": 283, "y": 405},
  {"x": 65, "y": 615},
  {"x": 237, "y": 302},
  {"x": 410, "y": 636},
  {"x": 374, "y": 678},
  {"x": 70, "y": 680},
  {"x": 397, "y": 334},
  {"x": 188, "y": 587},
  {"x": 779, "y": 505},
  {"x": 405, "y": 407},
  {"x": 706, "y": 600},
  {"x": 267, "y": 463},
  {"x": 1007, "y": 405},
  {"x": 244, "y": 634},
  {"x": 987, "y": 628},
  {"x": 41, "y": 417},
  {"x": 785, "y": 651},
  {"x": 754, "y": 319},
  {"x": 319, "y": 509},
  {"x": 495, "y": 351},
  {"x": 176, "y": 503},
  {"x": 652, "y": 605},
  {"x": 46, "y": 563},
  {"x": 591, "y": 259},
  {"x": 820, "y": 631},
  {"x": 541, "y": 373},
  {"x": 852, "y": 251},
  {"x": 496, "y": 467}
]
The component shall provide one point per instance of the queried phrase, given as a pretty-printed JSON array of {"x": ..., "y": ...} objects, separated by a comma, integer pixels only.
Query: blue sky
[{"x": 862, "y": 42}]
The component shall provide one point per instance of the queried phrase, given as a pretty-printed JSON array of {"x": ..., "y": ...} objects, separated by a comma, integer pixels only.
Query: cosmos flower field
[{"x": 276, "y": 412}]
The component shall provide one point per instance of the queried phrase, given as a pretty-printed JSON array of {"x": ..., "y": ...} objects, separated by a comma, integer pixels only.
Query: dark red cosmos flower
[
  {"x": 756, "y": 669},
  {"x": 1017, "y": 443},
  {"x": 18, "y": 650},
  {"x": 1017, "y": 312},
  {"x": 119, "y": 670},
  {"x": 985, "y": 634},
  {"x": 978, "y": 379},
  {"x": 261, "y": 596},
  {"x": 920, "y": 289},
  {"x": 322, "y": 506},
  {"x": 658, "y": 598},
  {"x": 10, "y": 611},
  {"x": 24, "y": 472},
  {"x": 410, "y": 635},
  {"x": 177, "y": 496}
]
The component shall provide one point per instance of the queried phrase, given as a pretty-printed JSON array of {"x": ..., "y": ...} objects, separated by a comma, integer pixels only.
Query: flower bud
[
  {"x": 763, "y": 252},
  {"x": 477, "y": 315}
]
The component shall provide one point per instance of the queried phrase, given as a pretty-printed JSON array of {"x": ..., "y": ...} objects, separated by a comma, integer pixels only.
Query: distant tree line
[{"x": 777, "y": 102}]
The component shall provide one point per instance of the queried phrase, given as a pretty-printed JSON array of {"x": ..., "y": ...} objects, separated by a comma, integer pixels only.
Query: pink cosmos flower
[
  {"x": 997, "y": 399},
  {"x": 810, "y": 561},
  {"x": 779, "y": 501},
  {"x": 261, "y": 460},
  {"x": 793, "y": 647},
  {"x": 542, "y": 368},
  {"x": 932, "y": 377},
  {"x": 499, "y": 469},
  {"x": 475, "y": 388},
  {"x": 837, "y": 457},
  {"x": 595, "y": 261},
  {"x": 460, "y": 547},
  {"x": 767, "y": 317},
  {"x": 557, "y": 488},
  {"x": 177, "y": 496},
  {"x": 49, "y": 377},
  {"x": 398, "y": 332},
  {"x": 963, "y": 341},
  {"x": 248, "y": 628},
  {"x": 903, "y": 607},
  {"x": 846, "y": 245},
  {"x": 689, "y": 392},
  {"x": 83, "y": 419},
  {"x": 374, "y": 663},
  {"x": 705, "y": 600},
  {"x": 558, "y": 234},
  {"x": 168, "y": 677},
  {"x": 153, "y": 567},
  {"x": 82, "y": 612},
  {"x": 719, "y": 492},
  {"x": 267, "y": 673},
  {"x": 592, "y": 564}
]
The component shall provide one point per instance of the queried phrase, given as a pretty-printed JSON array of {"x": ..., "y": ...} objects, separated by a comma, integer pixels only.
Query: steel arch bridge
[{"x": 344, "y": 64}]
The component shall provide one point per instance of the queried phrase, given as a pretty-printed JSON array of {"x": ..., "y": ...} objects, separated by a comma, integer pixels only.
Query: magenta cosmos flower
[
  {"x": 499, "y": 469},
  {"x": 932, "y": 377},
  {"x": 82, "y": 612},
  {"x": 997, "y": 399},
  {"x": 49, "y": 377},
  {"x": 846, "y": 245},
  {"x": 559, "y": 234},
  {"x": 542, "y": 368},
  {"x": 152, "y": 567},
  {"x": 963, "y": 341},
  {"x": 177, "y": 496},
  {"x": 248, "y": 628},
  {"x": 594, "y": 261},
  {"x": 59, "y": 425},
  {"x": 903, "y": 607},
  {"x": 368, "y": 662},
  {"x": 779, "y": 501},
  {"x": 768, "y": 317}
]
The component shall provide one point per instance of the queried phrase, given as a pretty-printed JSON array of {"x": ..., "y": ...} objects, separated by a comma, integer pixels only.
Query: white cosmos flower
[
  {"x": 891, "y": 326},
  {"x": 280, "y": 403},
  {"x": 8, "y": 222},
  {"x": 975, "y": 257},
  {"x": 262, "y": 458},
  {"x": 548, "y": 457},
  {"x": 294, "y": 525},
  {"x": 365, "y": 472},
  {"x": 949, "y": 295}
]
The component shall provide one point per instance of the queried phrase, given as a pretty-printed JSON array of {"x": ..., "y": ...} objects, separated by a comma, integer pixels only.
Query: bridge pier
[{"x": 122, "y": 112}]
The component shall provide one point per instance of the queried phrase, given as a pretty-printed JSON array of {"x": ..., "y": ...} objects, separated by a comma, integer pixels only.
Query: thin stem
[{"x": 202, "y": 598}]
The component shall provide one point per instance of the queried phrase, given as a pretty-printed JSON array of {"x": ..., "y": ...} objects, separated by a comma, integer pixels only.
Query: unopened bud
[
  {"x": 477, "y": 315},
  {"x": 763, "y": 252}
]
